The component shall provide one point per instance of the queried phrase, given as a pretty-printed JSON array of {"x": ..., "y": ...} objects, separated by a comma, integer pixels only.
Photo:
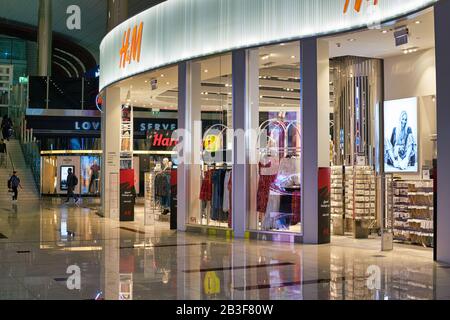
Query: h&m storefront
[{"x": 327, "y": 115}]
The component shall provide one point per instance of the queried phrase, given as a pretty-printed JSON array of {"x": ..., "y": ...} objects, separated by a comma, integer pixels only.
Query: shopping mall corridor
[{"x": 41, "y": 241}]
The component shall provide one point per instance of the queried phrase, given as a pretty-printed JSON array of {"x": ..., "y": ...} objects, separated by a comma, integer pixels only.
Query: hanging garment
[
  {"x": 218, "y": 178},
  {"x": 278, "y": 135},
  {"x": 206, "y": 187},
  {"x": 279, "y": 212},
  {"x": 289, "y": 166},
  {"x": 162, "y": 188},
  {"x": 266, "y": 178},
  {"x": 296, "y": 207},
  {"x": 226, "y": 193}
]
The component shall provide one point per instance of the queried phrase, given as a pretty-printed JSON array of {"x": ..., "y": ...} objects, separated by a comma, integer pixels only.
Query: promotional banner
[
  {"x": 401, "y": 152},
  {"x": 324, "y": 205},
  {"x": 64, "y": 173},
  {"x": 90, "y": 175},
  {"x": 64, "y": 163},
  {"x": 127, "y": 195}
]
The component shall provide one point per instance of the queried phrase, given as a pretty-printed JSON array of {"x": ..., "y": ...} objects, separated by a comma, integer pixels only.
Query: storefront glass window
[
  {"x": 276, "y": 177},
  {"x": 211, "y": 182}
]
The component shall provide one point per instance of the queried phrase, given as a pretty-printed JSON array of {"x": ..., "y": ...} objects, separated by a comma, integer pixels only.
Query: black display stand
[
  {"x": 435, "y": 209},
  {"x": 173, "y": 208}
]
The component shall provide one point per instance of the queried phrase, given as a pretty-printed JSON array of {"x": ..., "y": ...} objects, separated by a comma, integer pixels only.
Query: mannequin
[
  {"x": 166, "y": 164},
  {"x": 158, "y": 167}
]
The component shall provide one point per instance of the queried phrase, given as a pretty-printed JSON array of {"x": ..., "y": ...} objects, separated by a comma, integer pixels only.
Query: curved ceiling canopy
[{"x": 178, "y": 30}]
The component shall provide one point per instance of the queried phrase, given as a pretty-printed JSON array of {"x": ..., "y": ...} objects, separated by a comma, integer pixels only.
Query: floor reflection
[{"x": 129, "y": 261}]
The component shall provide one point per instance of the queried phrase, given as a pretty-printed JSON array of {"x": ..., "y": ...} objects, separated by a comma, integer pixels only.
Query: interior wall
[
  {"x": 414, "y": 75},
  {"x": 427, "y": 127},
  {"x": 410, "y": 75}
]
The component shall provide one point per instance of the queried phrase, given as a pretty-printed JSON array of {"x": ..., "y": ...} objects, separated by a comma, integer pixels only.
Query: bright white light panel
[{"x": 179, "y": 30}]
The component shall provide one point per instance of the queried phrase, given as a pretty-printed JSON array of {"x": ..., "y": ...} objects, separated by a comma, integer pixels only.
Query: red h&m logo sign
[
  {"x": 358, "y": 5},
  {"x": 131, "y": 46},
  {"x": 160, "y": 141}
]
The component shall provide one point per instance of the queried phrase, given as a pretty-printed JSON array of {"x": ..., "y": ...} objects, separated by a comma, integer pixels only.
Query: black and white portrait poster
[{"x": 400, "y": 136}]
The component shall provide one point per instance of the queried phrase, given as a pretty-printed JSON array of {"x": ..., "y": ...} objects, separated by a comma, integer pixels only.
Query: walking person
[
  {"x": 10, "y": 127},
  {"x": 5, "y": 127},
  {"x": 72, "y": 182},
  {"x": 14, "y": 184},
  {"x": 3, "y": 154}
]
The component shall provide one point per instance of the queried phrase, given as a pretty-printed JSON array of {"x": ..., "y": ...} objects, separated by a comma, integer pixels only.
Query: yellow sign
[
  {"x": 211, "y": 284},
  {"x": 212, "y": 143}
]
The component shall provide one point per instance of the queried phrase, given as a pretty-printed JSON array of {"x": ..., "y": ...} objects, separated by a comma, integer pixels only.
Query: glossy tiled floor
[{"x": 40, "y": 241}]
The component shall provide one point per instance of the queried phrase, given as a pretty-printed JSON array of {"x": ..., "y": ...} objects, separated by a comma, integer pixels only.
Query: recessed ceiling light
[
  {"x": 282, "y": 44},
  {"x": 292, "y": 57},
  {"x": 384, "y": 31},
  {"x": 352, "y": 39},
  {"x": 162, "y": 75},
  {"x": 167, "y": 83},
  {"x": 418, "y": 22},
  {"x": 206, "y": 70}
]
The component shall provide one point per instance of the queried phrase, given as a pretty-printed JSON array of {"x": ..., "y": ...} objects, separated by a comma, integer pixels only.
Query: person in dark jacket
[
  {"x": 6, "y": 126},
  {"x": 14, "y": 184},
  {"x": 72, "y": 182},
  {"x": 3, "y": 154}
]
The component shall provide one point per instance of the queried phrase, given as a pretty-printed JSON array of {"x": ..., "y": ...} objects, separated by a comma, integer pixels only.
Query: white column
[
  {"x": 117, "y": 13},
  {"x": 245, "y": 72},
  {"x": 315, "y": 69},
  {"x": 111, "y": 153},
  {"x": 110, "y": 274},
  {"x": 442, "y": 25},
  {"x": 45, "y": 38},
  {"x": 189, "y": 120}
]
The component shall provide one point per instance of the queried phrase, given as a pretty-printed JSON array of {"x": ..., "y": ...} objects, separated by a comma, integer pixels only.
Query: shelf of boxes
[
  {"x": 362, "y": 200},
  {"x": 413, "y": 212},
  {"x": 337, "y": 192},
  {"x": 349, "y": 188},
  {"x": 337, "y": 199}
]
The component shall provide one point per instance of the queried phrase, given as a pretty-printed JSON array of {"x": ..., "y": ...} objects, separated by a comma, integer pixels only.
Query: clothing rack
[
  {"x": 161, "y": 207},
  {"x": 282, "y": 149},
  {"x": 208, "y": 209}
]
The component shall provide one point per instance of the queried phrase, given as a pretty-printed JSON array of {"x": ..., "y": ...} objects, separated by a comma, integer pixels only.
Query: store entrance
[{"x": 383, "y": 137}]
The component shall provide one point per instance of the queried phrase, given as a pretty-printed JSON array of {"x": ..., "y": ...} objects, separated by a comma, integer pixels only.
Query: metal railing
[
  {"x": 30, "y": 147},
  {"x": 10, "y": 161},
  {"x": 32, "y": 155}
]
